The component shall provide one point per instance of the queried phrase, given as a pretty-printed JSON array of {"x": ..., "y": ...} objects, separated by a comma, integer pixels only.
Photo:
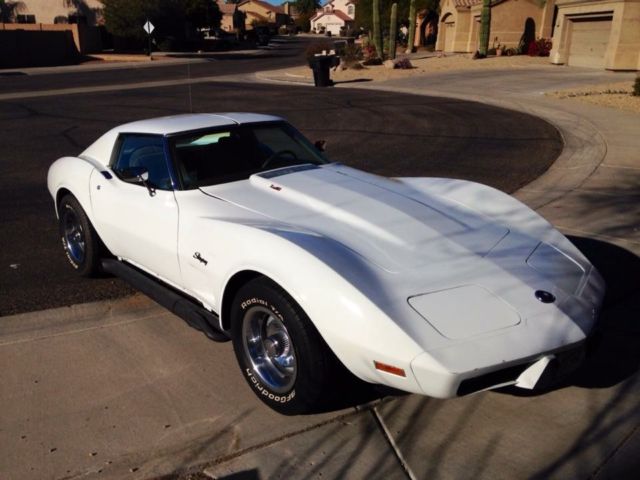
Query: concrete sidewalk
[{"x": 124, "y": 389}]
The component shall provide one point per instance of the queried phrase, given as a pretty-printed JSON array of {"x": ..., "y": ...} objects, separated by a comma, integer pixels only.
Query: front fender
[{"x": 339, "y": 291}]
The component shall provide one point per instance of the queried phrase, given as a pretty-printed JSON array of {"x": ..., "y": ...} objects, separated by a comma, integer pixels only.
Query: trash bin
[{"x": 320, "y": 64}]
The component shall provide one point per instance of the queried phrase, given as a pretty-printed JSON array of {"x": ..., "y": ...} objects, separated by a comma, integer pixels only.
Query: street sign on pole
[{"x": 148, "y": 27}]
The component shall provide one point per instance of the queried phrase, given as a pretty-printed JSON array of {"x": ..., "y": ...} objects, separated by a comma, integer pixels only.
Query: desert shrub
[
  {"x": 169, "y": 44},
  {"x": 351, "y": 55},
  {"x": 636, "y": 88},
  {"x": 369, "y": 52},
  {"x": 403, "y": 63},
  {"x": 539, "y": 48},
  {"x": 372, "y": 61}
]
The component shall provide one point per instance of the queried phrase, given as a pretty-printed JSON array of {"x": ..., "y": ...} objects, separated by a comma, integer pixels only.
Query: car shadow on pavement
[
  {"x": 613, "y": 351},
  {"x": 351, "y": 392},
  {"x": 615, "y": 355}
]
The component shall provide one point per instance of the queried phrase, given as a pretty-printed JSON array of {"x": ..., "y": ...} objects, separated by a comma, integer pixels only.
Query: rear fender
[{"x": 71, "y": 174}]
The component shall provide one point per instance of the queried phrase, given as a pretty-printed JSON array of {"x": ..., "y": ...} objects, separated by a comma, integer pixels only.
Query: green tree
[
  {"x": 174, "y": 19},
  {"x": 82, "y": 10},
  {"x": 202, "y": 13},
  {"x": 307, "y": 6},
  {"x": 306, "y": 9},
  {"x": 9, "y": 10}
]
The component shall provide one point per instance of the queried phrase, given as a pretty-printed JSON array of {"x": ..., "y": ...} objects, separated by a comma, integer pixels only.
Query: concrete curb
[{"x": 283, "y": 78}]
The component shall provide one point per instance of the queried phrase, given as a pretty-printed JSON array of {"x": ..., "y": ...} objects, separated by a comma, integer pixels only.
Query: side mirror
[
  {"x": 135, "y": 175},
  {"x": 138, "y": 175},
  {"x": 320, "y": 145}
]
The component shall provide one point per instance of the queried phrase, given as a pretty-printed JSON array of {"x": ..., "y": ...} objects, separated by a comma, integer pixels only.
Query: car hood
[{"x": 367, "y": 214}]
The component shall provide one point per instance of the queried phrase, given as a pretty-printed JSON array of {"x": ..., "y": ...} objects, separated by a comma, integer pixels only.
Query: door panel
[{"x": 137, "y": 226}]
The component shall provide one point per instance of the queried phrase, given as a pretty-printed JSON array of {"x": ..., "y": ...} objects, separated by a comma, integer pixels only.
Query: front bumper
[
  {"x": 540, "y": 372},
  {"x": 534, "y": 354}
]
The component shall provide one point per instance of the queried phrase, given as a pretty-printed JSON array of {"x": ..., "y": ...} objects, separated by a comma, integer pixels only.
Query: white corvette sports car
[{"x": 242, "y": 227}]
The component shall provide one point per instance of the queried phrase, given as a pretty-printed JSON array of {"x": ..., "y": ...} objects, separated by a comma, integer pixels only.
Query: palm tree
[
  {"x": 82, "y": 10},
  {"x": 9, "y": 10}
]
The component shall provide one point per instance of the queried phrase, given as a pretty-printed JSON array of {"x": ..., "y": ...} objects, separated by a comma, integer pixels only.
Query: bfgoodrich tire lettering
[
  {"x": 281, "y": 355},
  {"x": 79, "y": 240}
]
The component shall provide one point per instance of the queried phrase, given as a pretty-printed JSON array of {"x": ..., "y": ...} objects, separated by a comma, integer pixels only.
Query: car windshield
[{"x": 228, "y": 154}]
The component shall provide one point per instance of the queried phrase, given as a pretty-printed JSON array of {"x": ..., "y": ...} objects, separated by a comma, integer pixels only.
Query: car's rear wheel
[
  {"x": 79, "y": 239},
  {"x": 282, "y": 356}
]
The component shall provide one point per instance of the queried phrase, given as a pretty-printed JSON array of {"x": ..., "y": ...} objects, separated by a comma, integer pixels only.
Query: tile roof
[
  {"x": 342, "y": 16},
  {"x": 466, "y": 3},
  {"x": 338, "y": 13},
  {"x": 226, "y": 8},
  {"x": 267, "y": 6}
]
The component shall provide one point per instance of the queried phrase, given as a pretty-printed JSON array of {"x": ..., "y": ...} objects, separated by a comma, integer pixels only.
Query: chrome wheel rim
[
  {"x": 73, "y": 235},
  {"x": 268, "y": 347}
]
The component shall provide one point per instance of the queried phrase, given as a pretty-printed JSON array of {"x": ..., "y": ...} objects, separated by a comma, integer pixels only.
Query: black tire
[
  {"x": 279, "y": 328},
  {"x": 80, "y": 241}
]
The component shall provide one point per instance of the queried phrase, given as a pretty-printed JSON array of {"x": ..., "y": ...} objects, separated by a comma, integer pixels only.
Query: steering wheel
[{"x": 277, "y": 154}]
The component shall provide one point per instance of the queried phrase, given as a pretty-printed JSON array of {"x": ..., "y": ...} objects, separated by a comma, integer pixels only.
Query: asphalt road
[
  {"x": 386, "y": 133},
  {"x": 281, "y": 53}
]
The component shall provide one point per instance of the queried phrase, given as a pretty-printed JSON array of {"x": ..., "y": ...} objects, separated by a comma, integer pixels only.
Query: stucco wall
[
  {"x": 453, "y": 28},
  {"x": 86, "y": 39},
  {"x": 47, "y": 10},
  {"x": 21, "y": 47},
  {"x": 507, "y": 24},
  {"x": 623, "y": 49},
  {"x": 226, "y": 23}
]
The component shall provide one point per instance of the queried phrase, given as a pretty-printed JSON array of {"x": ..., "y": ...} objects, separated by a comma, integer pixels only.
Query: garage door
[{"x": 589, "y": 40}]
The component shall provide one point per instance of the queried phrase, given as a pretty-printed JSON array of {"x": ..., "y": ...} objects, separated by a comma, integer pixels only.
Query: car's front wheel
[
  {"x": 79, "y": 239},
  {"x": 282, "y": 356}
]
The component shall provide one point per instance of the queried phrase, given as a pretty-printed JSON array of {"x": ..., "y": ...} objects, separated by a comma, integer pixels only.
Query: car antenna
[{"x": 189, "y": 83}]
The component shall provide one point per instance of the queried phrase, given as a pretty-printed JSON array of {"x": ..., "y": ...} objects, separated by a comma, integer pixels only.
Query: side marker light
[{"x": 383, "y": 367}]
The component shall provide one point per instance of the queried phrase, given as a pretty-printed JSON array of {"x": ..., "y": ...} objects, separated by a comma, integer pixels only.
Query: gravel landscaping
[
  {"x": 427, "y": 64},
  {"x": 613, "y": 95}
]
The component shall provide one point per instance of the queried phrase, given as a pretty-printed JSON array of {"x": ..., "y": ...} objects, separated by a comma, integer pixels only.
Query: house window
[
  {"x": 25, "y": 19},
  {"x": 351, "y": 10}
]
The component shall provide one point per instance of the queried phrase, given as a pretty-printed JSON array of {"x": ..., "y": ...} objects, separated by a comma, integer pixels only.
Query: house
[
  {"x": 585, "y": 33},
  {"x": 290, "y": 9},
  {"x": 334, "y": 16},
  {"x": 226, "y": 9},
  {"x": 259, "y": 12},
  {"x": 598, "y": 34},
  {"x": 458, "y": 27},
  {"x": 50, "y": 12},
  {"x": 44, "y": 32}
]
